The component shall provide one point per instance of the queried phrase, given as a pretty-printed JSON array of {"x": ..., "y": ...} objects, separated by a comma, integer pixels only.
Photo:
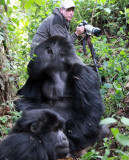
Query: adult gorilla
[
  {"x": 37, "y": 135},
  {"x": 60, "y": 81}
]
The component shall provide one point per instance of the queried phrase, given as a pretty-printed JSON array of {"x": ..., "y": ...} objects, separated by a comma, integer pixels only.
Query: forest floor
[{"x": 99, "y": 147}]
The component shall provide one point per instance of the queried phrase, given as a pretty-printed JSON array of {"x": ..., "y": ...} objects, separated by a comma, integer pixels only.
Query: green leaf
[
  {"x": 107, "y": 152},
  {"x": 118, "y": 95},
  {"x": 2, "y": 2},
  {"x": 28, "y": 4},
  {"x": 122, "y": 53},
  {"x": 102, "y": 91},
  {"x": 3, "y": 119},
  {"x": 126, "y": 10},
  {"x": 125, "y": 157},
  {"x": 102, "y": 1},
  {"x": 125, "y": 121},
  {"x": 115, "y": 131},
  {"x": 105, "y": 63},
  {"x": 123, "y": 154},
  {"x": 127, "y": 21},
  {"x": 121, "y": 12},
  {"x": 40, "y": 2},
  {"x": 108, "y": 85},
  {"x": 108, "y": 121},
  {"x": 1, "y": 38},
  {"x": 124, "y": 140},
  {"x": 107, "y": 10}
]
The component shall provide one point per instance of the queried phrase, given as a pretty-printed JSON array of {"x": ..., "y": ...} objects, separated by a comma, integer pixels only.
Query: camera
[{"x": 93, "y": 30}]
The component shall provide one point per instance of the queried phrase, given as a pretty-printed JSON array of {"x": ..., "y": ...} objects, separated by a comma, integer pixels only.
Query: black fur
[
  {"x": 36, "y": 135},
  {"x": 60, "y": 81}
]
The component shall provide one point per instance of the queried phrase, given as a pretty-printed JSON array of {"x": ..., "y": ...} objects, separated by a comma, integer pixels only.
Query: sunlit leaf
[
  {"x": 40, "y": 2},
  {"x": 121, "y": 12},
  {"x": 1, "y": 38},
  {"x": 127, "y": 21},
  {"x": 125, "y": 157},
  {"x": 101, "y": 1},
  {"x": 125, "y": 121},
  {"x": 108, "y": 121},
  {"x": 122, "y": 52},
  {"x": 115, "y": 131},
  {"x": 124, "y": 140},
  {"x": 107, "y": 10},
  {"x": 28, "y": 4}
]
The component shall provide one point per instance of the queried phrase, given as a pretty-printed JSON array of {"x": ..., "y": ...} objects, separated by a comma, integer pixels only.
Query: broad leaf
[
  {"x": 108, "y": 85},
  {"x": 1, "y": 38},
  {"x": 107, "y": 10},
  {"x": 115, "y": 131},
  {"x": 40, "y": 2},
  {"x": 125, "y": 121},
  {"x": 124, "y": 140},
  {"x": 108, "y": 121}
]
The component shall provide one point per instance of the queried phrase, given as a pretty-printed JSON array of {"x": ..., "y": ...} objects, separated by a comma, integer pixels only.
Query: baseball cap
[{"x": 67, "y": 4}]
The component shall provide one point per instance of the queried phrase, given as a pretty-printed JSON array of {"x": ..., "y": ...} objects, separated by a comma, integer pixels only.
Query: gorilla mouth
[
  {"x": 62, "y": 148},
  {"x": 62, "y": 152}
]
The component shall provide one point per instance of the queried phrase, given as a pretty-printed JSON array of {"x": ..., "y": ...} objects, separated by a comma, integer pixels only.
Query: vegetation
[{"x": 19, "y": 20}]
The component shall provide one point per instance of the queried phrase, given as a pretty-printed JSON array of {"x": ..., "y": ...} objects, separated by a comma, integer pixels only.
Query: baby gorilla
[{"x": 37, "y": 135}]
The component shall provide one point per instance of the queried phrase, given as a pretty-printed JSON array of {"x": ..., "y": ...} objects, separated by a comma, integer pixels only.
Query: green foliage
[
  {"x": 19, "y": 21},
  {"x": 121, "y": 140},
  {"x": 9, "y": 118},
  {"x": 91, "y": 155}
]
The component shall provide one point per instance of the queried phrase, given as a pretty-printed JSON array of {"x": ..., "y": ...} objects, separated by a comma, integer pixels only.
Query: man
[{"x": 57, "y": 24}]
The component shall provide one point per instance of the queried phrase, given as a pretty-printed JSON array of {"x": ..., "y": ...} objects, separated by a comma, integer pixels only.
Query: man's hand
[{"x": 79, "y": 30}]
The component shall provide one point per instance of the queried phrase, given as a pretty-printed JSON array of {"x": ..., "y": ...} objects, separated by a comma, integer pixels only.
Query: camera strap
[
  {"x": 84, "y": 45},
  {"x": 87, "y": 40}
]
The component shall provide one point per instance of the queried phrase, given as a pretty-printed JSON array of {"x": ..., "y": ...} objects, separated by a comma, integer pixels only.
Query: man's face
[{"x": 68, "y": 13}]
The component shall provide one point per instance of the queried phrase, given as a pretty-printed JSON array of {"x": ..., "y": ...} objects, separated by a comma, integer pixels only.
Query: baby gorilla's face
[
  {"x": 62, "y": 145},
  {"x": 49, "y": 127},
  {"x": 58, "y": 141}
]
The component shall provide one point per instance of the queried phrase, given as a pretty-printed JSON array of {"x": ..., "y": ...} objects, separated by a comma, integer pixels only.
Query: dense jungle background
[{"x": 19, "y": 20}]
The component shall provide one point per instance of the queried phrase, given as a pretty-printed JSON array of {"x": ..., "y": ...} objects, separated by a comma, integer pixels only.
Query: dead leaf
[
  {"x": 127, "y": 86},
  {"x": 126, "y": 100},
  {"x": 67, "y": 158}
]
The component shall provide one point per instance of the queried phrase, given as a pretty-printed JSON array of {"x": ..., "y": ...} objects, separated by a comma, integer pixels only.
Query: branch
[{"x": 93, "y": 12}]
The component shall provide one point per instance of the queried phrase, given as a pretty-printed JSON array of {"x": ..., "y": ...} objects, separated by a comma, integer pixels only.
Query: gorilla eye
[
  {"x": 49, "y": 50},
  {"x": 55, "y": 129}
]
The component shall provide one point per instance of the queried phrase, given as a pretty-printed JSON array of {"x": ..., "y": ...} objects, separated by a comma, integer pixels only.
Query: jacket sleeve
[
  {"x": 59, "y": 30},
  {"x": 72, "y": 38}
]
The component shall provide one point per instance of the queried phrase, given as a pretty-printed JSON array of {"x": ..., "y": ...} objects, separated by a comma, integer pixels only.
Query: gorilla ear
[
  {"x": 36, "y": 127},
  {"x": 33, "y": 128}
]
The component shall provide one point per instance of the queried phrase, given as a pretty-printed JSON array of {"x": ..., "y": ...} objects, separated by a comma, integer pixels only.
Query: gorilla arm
[{"x": 88, "y": 107}]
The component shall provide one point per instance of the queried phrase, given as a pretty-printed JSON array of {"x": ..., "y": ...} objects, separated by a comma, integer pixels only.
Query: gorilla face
[
  {"x": 59, "y": 140},
  {"x": 53, "y": 54}
]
